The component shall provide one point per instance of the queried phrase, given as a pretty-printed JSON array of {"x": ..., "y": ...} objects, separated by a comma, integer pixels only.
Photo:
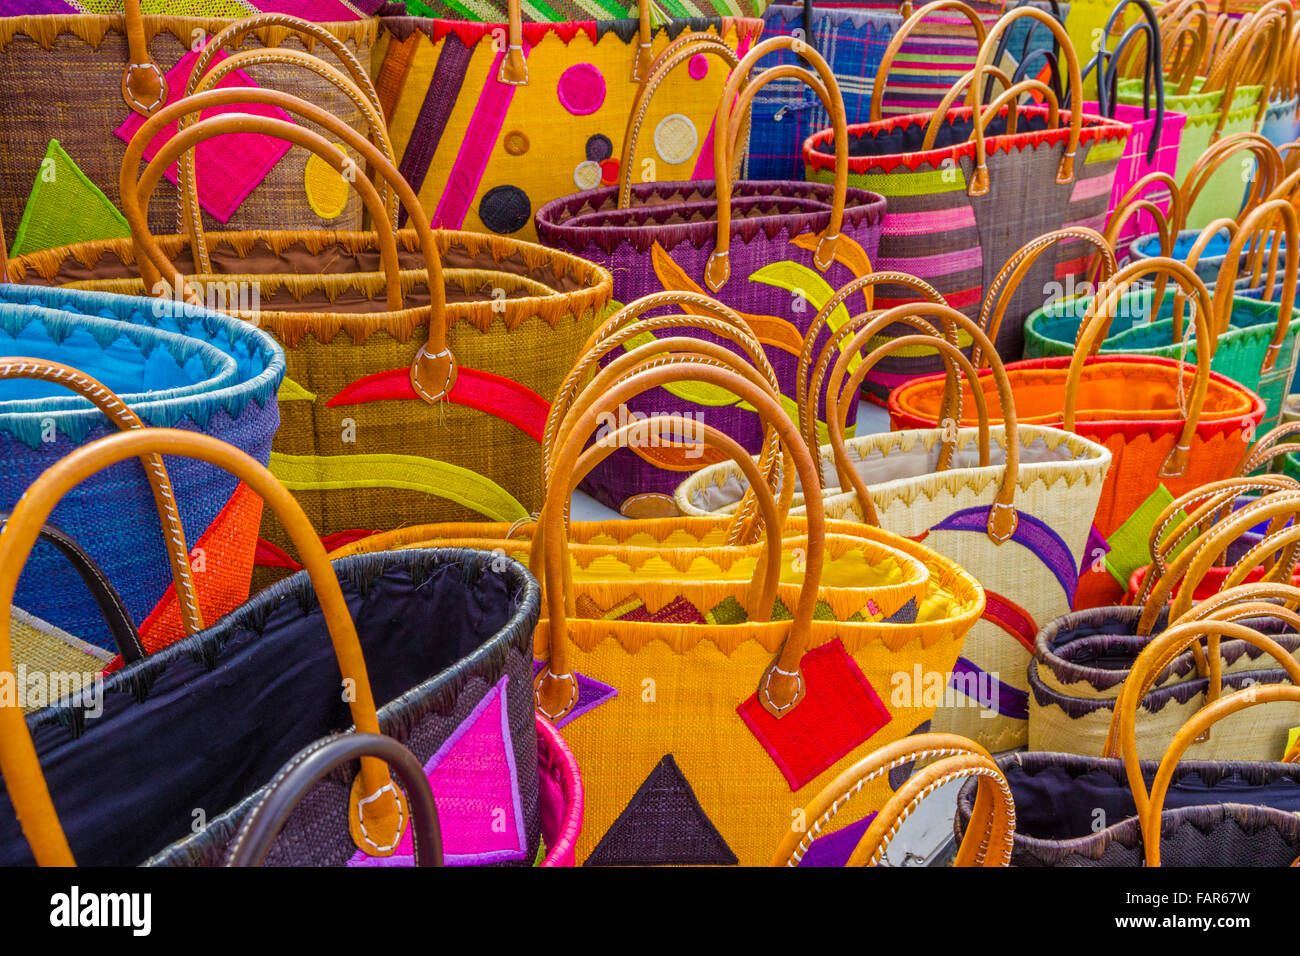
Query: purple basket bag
[{"x": 772, "y": 251}]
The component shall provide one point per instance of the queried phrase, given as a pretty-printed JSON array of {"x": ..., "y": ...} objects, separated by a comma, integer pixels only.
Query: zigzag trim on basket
[
  {"x": 45, "y": 30},
  {"x": 626, "y": 30}
]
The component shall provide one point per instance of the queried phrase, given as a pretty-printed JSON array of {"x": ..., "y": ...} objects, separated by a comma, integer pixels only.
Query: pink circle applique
[
  {"x": 581, "y": 89},
  {"x": 698, "y": 67}
]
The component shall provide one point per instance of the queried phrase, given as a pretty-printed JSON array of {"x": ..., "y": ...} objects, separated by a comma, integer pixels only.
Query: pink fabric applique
[
  {"x": 228, "y": 167},
  {"x": 476, "y": 786},
  {"x": 581, "y": 89}
]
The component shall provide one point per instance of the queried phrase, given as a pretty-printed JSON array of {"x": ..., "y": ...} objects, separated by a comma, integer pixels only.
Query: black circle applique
[
  {"x": 505, "y": 209},
  {"x": 599, "y": 148}
]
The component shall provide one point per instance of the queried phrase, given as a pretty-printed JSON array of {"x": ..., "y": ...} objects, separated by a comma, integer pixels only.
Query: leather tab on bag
[
  {"x": 779, "y": 692},
  {"x": 1176, "y": 464},
  {"x": 514, "y": 68},
  {"x": 825, "y": 254},
  {"x": 1003, "y": 520},
  {"x": 979, "y": 183},
  {"x": 377, "y": 821},
  {"x": 433, "y": 375},
  {"x": 717, "y": 271},
  {"x": 144, "y": 87},
  {"x": 1065, "y": 173},
  {"x": 555, "y": 696}
]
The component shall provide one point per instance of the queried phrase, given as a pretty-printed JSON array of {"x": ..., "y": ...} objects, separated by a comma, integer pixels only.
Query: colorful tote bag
[
  {"x": 947, "y": 197},
  {"x": 1169, "y": 427},
  {"x": 790, "y": 700},
  {"x": 457, "y": 696},
  {"x": 493, "y": 121},
  {"x": 987, "y": 841},
  {"x": 772, "y": 251},
  {"x": 81, "y": 365},
  {"x": 491, "y": 326},
  {"x": 78, "y": 85},
  {"x": 1228, "y": 94},
  {"x": 1048, "y": 480},
  {"x": 1254, "y": 342}
]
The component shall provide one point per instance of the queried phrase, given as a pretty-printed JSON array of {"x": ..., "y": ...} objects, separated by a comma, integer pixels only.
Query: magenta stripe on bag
[
  {"x": 1092, "y": 187},
  {"x": 480, "y": 138},
  {"x": 939, "y": 220},
  {"x": 941, "y": 264}
]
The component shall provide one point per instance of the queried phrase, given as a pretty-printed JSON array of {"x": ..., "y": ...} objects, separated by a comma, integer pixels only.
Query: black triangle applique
[{"x": 662, "y": 825}]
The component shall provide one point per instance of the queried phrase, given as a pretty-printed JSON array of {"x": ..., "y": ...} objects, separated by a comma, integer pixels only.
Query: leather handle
[
  {"x": 370, "y": 814},
  {"x": 963, "y": 85},
  {"x": 514, "y": 67},
  {"x": 782, "y": 685},
  {"x": 433, "y": 373},
  {"x": 1001, "y": 834},
  {"x": 1202, "y": 508},
  {"x": 1096, "y": 323},
  {"x": 1065, "y": 171},
  {"x": 144, "y": 87},
  {"x": 674, "y": 55},
  {"x": 1002, "y": 519},
  {"x": 111, "y": 607},
  {"x": 1259, "y": 223},
  {"x": 311, "y": 765},
  {"x": 1267, "y": 447},
  {"x": 904, "y": 31},
  {"x": 718, "y": 270},
  {"x": 1193, "y": 730},
  {"x": 808, "y": 376},
  {"x": 990, "y": 824},
  {"x": 1005, "y": 284},
  {"x": 1264, "y": 153},
  {"x": 121, "y": 415},
  {"x": 1168, "y": 224},
  {"x": 1192, "y": 564},
  {"x": 188, "y": 217},
  {"x": 627, "y": 325}
]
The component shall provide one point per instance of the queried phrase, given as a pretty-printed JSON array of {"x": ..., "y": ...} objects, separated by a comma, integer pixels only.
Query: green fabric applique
[
  {"x": 1130, "y": 541},
  {"x": 65, "y": 207}
]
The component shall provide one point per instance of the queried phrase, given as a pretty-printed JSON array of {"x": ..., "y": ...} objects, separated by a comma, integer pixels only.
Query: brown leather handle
[
  {"x": 514, "y": 67},
  {"x": 1260, "y": 222},
  {"x": 782, "y": 685},
  {"x": 121, "y": 415},
  {"x": 901, "y": 35},
  {"x": 1201, "y": 509},
  {"x": 1154, "y": 658},
  {"x": 1004, "y": 285},
  {"x": 626, "y": 325},
  {"x": 433, "y": 373},
  {"x": 1193, "y": 563},
  {"x": 1174, "y": 220},
  {"x": 676, "y": 53},
  {"x": 1267, "y": 170},
  {"x": 357, "y": 89},
  {"x": 1267, "y": 447},
  {"x": 963, "y": 84},
  {"x": 992, "y": 823},
  {"x": 718, "y": 269},
  {"x": 1002, "y": 519},
  {"x": 144, "y": 87},
  {"x": 1195, "y": 729},
  {"x": 1093, "y": 332},
  {"x": 809, "y": 376},
  {"x": 1065, "y": 171},
  {"x": 18, "y": 760}
]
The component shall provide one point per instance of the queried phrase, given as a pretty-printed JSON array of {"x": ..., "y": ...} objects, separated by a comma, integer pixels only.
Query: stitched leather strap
[
  {"x": 18, "y": 760},
  {"x": 311, "y": 765},
  {"x": 144, "y": 88}
]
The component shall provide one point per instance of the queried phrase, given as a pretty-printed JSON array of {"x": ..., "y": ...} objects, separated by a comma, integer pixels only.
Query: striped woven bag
[
  {"x": 86, "y": 80},
  {"x": 491, "y": 121},
  {"x": 413, "y": 393},
  {"x": 950, "y": 176}
]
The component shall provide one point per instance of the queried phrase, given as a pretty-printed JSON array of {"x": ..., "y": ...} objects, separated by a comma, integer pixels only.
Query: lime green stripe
[
  {"x": 1101, "y": 152},
  {"x": 465, "y": 487},
  {"x": 904, "y": 182}
]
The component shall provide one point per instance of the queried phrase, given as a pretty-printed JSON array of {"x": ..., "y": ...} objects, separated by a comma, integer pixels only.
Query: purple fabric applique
[
  {"x": 1032, "y": 534},
  {"x": 591, "y": 694},
  {"x": 834, "y": 849},
  {"x": 476, "y": 786}
]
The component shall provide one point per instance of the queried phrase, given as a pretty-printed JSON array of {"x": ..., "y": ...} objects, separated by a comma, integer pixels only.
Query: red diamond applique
[{"x": 840, "y": 710}]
